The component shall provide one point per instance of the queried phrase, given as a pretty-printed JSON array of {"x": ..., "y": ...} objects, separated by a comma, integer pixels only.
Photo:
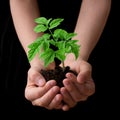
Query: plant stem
[
  {"x": 51, "y": 33},
  {"x": 63, "y": 65}
]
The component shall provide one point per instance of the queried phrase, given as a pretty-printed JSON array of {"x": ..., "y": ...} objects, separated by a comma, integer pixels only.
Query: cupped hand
[
  {"x": 77, "y": 88},
  {"x": 42, "y": 93}
]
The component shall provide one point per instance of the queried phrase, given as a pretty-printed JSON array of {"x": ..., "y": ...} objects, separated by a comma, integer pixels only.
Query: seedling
[{"x": 54, "y": 43}]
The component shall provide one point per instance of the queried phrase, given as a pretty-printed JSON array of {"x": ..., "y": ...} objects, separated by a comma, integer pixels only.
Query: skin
[{"x": 91, "y": 22}]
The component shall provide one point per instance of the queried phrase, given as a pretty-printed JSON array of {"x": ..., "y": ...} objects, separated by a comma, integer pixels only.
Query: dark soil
[{"x": 58, "y": 74}]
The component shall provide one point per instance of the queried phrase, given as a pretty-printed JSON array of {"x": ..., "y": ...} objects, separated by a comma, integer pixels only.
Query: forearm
[
  {"x": 91, "y": 21},
  {"x": 23, "y": 13}
]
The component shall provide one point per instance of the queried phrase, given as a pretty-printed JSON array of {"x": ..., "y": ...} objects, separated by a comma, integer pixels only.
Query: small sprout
[{"x": 54, "y": 43}]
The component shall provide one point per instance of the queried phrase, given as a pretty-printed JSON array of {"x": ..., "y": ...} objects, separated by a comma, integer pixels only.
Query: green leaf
[
  {"x": 34, "y": 49},
  {"x": 48, "y": 56},
  {"x": 41, "y": 20},
  {"x": 72, "y": 42},
  {"x": 45, "y": 45},
  {"x": 70, "y": 36},
  {"x": 54, "y": 23},
  {"x": 61, "y": 44},
  {"x": 75, "y": 50},
  {"x": 73, "y": 47},
  {"x": 68, "y": 49},
  {"x": 60, "y": 34},
  {"x": 52, "y": 42},
  {"x": 46, "y": 36},
  {"x": 48, "y": 21},
  {"x": 40, "y": 28},
  {"x": 60, "y": 54}
]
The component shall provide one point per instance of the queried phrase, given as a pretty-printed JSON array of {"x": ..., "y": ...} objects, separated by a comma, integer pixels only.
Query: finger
[
  {"x": 32, "y": 92},
  {"x": 35, "y": 78},
  {"x": 39, "y": 81},
  {"x": 90, "y": 87},
  {"x": 67, "y": 98},
  {"x": 84, "y": 75},
  {"x": 75, "y": 89},
  {"x": 85, "y": 72},
  {"x": 56, "y": 103},
  {"x": 65, "y": 107},
  {"x": 87, "y": 88},
  {"x": 46, "y": 99}
]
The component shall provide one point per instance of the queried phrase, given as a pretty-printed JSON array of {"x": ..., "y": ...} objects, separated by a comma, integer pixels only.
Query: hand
[
  {"x": 77, "y": 88},
  {"x": 47, "y": 94},
  {"x": 42, "y": 93}
]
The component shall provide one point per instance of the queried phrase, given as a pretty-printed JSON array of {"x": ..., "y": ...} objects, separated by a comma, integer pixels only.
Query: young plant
[{"x": 55, "y": 43}]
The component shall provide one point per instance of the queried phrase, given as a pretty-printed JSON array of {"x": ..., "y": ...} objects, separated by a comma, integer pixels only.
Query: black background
[{"x": 105, "y": 62}]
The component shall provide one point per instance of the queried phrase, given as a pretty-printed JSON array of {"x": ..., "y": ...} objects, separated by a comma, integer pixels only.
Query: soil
[{"x": 58, "y": 74}]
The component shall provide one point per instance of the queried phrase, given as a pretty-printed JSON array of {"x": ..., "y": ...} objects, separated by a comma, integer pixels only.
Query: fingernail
[{"x": 41, "y": 82}]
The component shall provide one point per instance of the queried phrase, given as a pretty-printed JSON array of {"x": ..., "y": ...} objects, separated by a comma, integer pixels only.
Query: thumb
[
  {"x": 40, "y": 81},
  {"x": 83, "y": 77},
  {"x": 35, "y": 77}
]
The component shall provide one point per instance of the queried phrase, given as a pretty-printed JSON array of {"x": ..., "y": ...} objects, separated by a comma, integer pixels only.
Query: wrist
[
  {"x": 70, "y": 57},
  {"x": 36, "y": 62},
  {"x": 83, "y": 57}
]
